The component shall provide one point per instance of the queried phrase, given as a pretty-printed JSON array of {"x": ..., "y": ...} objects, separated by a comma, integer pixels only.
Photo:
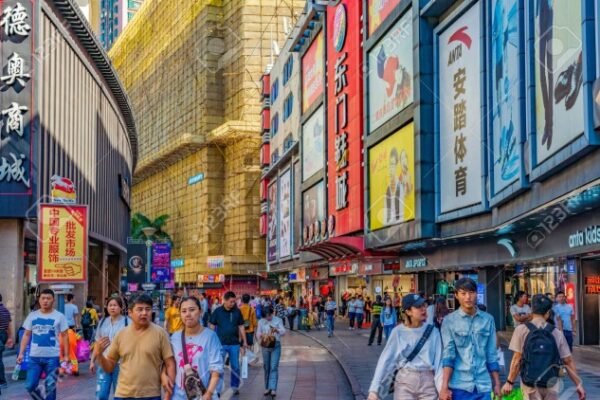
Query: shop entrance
[{"x": 590, "y": 274}]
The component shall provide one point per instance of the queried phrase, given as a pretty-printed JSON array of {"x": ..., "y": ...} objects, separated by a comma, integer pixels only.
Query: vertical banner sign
[
  {"x": 379, "y": 10},
  {"x": 17, "y": 131},
  {"x": 272, "y": 223},
  {"x": 285, "y": 214},
  {"x": 136, "y": 265},
  {"x": 558, "y": 67},
  {"x": 345, "y": 117},
  {"x": 313, "y": 147},
  {"x": 313, "y": 70},
  {"x": 392, "y": 179},
  {"x": 63, "y": 243},
  {"x": 313, "y": 204},
  {"x": 460, "y": 112},
  {"x": 506, "y": 94},
  {"x": 391, "y": 73},
  {"x": 161, "y": 263}
]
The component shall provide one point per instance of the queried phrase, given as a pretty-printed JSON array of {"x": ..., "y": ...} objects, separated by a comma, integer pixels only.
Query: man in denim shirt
[{"x": 470, "y": 357}]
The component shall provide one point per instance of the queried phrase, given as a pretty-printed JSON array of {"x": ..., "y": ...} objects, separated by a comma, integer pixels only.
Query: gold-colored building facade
[{"x": 192, "y": 70}]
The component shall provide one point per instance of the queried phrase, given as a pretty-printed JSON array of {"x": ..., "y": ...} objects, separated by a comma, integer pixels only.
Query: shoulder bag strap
[
  {"x": 184, "y": 350},
  {"x": 421, "y": 343},
  {"x": 531, "y": 326}
]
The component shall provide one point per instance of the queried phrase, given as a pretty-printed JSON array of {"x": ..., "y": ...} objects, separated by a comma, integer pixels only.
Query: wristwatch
[{"x": 510, "y": 382}]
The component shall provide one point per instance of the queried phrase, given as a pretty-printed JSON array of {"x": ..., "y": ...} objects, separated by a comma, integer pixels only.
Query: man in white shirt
[{"x": 71, "y": 312}]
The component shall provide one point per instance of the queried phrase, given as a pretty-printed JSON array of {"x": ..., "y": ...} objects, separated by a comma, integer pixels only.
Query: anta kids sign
[{"x": 345, "y": 117}]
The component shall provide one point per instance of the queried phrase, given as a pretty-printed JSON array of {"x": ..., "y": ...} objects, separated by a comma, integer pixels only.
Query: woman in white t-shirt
[{"x": 203, "y": 351}]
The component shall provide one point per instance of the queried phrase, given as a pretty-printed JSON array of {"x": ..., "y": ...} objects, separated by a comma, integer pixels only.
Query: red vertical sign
[{"x": 345, "y": 117}]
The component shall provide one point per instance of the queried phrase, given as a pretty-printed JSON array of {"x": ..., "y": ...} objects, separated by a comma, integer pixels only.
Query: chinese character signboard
[
  {"x": 345, "y": 117},
  {"x": 285, "y": 214},
  {"x": 392, "y": 179},
  {"x": 17, "y": 130},
  {"x": 63, "y": 243},
  {"x": 272, "y": 223},
  {"x": 379, "y": 10},
  {"x": 391, "y": 73},
  {"x": 460, "y": 112},
  {"x": 559, "y": 93},
  {"x": 313, "y": 69},
  {"x": 215, "y": 262},
  {"x": 161, "y": 262}
]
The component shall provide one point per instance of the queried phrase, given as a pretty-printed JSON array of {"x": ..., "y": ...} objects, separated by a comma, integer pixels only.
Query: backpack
[
  {"x": 540, "y": 364},
  {"x": 86, "y": 318}
]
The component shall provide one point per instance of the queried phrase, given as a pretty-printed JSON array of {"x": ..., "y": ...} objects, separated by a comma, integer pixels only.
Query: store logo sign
[
  {"x": 416, "y": 263},
  {"x": 587, "y": 237}
]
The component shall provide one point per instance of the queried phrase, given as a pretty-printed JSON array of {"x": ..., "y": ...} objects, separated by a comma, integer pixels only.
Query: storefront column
[
  {"x": 11, "y": 265},
  {"x": 492, "y": 280},
  {"x": 426, "y": 283},
  {"x": 104, "y": 274}
]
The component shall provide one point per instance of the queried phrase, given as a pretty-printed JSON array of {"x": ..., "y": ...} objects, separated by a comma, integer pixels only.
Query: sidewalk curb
[{"x": 356, "y": 391}]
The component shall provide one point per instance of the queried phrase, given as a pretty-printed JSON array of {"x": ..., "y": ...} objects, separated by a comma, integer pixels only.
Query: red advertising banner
[
  {"x": 312, "y": 72},
  {"x": 345, "y": 118}
]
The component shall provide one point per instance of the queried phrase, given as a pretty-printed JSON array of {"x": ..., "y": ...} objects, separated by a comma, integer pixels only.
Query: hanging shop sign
[
  {"x": 343, "y": 268},
  {"x": 161, "y": 263},
  {"x": 313, "y": 69},
  {"x": 272, "y": 223},
  {"x": 18, "y": 131},
  {"x": 215, "y": 262},
  {"x": 459, "y": 110},
  {"x": 345, "y": 121},
  {"x": 62, "y": 190},
  {"x": 63, "y": 243},
  {"x": 586, "y": 237}
]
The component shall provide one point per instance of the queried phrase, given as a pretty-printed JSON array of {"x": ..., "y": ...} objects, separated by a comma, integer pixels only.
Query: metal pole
[{"x": 149, "y": 261}]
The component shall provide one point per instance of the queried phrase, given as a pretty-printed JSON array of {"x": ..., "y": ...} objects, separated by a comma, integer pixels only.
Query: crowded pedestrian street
[{"x": 299, "y": 199}]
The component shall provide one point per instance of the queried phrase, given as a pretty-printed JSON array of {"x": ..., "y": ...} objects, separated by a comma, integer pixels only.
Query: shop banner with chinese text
[{"x": 63, "y": 243}]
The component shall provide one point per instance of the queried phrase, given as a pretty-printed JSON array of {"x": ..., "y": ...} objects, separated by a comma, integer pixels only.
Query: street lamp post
[{"x": 148, "y": 232}]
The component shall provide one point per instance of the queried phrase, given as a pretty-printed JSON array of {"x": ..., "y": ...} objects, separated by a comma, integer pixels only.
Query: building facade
[
  {"x": 73, "y": 127},
  {"x": 194, "y": 88},
  {"x": 480, "y": 150}
]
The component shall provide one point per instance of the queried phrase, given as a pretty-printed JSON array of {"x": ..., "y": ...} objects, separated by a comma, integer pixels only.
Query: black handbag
[{"x": 194, "y": 388}]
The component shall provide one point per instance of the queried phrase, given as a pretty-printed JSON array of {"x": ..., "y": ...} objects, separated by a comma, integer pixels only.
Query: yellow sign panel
[
  {"x": 392, "y": 179},
  {"x": 63, "y": 243}
]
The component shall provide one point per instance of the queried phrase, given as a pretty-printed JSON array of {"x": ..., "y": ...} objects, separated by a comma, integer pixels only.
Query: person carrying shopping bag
[
  {"x": 410, "y": 363},
  {"x": 269, "y": 332}
]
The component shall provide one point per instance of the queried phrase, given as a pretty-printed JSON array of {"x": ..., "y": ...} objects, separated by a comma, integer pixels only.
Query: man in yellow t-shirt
[
  {"x": 173, "y": 322},
  {"x": 249, "y": 316},
  {"x": 141, "y": 348}
]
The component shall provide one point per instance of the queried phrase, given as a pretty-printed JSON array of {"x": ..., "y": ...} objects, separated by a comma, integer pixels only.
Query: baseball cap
[
  {"x": 540, "y": 304},
  {"x": 412, "y": 300}
]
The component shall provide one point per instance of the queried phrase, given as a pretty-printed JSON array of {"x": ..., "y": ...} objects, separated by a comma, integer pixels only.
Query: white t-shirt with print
[
  {"x": 204, "y": 353},
  {"x": 45, "y": 330}
]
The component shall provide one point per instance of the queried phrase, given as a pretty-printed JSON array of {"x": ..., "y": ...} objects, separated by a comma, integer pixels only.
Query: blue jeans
[
  {"x": 387, "y": 330},
  {"x": 271, "y": 365},
  {"x": 35, "y": 367},
  {"x": 104, "y": 382},
  {"x": 234, "y": 363},
  {"x": 3, "y": 339},
  {"x": 569, "y": 337},
  {"x": 330, "y": 324},
  {"x": 458, "y": 394}
]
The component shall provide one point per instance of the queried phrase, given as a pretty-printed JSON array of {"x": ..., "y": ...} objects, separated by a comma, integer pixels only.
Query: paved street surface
[
  {"x": 360, "y": 360},
  {"x": 307, "y": 372}
]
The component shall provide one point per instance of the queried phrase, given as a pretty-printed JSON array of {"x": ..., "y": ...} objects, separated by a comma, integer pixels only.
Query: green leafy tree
[{"x": 139, "y": 221}]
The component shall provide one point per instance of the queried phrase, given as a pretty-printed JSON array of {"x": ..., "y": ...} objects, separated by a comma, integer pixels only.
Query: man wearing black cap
[
  {"x": 538, "y": 328},
  {"x": 470, "y": 358}
]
